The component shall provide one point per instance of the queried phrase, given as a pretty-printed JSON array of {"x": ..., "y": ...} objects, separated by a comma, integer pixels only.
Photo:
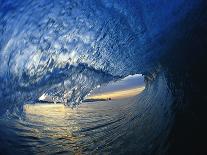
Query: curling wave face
[
  {"x": 74, "y": 46},
  {"x": 62, "y": 46}
]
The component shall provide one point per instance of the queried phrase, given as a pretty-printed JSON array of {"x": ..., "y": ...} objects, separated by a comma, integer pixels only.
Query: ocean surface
[
  {"x": 67, "y": 48},
  {"x": 103, "y": 127},
  {"x": 50, "y": 129},
  {"x": 133, "y": 125}
]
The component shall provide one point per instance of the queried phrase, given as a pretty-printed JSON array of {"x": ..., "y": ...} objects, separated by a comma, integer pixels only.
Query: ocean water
[
  {"x": 50, "y": 129},
  {"x": 102, "y": 127},
  {"x": 73, "y": 46},
  {"x": 138, "y": 124}
]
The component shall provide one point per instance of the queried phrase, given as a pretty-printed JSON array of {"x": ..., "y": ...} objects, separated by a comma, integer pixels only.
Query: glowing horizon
[{"x": 118, "y": 94}]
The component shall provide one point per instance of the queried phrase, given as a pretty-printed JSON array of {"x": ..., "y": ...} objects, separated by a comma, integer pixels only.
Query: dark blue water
[
  {"x": 72, "y": 46},
  {"x": 110, "y": 127}
]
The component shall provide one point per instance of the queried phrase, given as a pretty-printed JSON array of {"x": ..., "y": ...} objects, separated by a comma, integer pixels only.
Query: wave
[
  {"x": 75, "y": 45},
  {"x": 57, "y": 46}
]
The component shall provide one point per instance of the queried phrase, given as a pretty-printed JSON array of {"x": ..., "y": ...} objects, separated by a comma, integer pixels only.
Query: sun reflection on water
[
  {"x": 52, "y": 121},
  {"x": 79, "y": 129}
]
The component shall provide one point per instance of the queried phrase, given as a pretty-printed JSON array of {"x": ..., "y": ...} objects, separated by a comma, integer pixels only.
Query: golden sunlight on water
[
  {"x": 45, "y": 109},
  {"x": 48, "y": 114},
  {"x": 79, "y": 129},
  {"x": 76, "y": 129},
  {"x": 53, "y": 121}
]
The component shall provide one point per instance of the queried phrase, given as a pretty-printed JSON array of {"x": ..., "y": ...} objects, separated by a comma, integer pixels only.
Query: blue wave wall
[
  {"x": 77, "y": 45},
  {"x": 44, "y": 44}
]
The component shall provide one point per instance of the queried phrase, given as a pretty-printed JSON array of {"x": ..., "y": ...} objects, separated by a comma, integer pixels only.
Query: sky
[{"x": 129, "y": 86}]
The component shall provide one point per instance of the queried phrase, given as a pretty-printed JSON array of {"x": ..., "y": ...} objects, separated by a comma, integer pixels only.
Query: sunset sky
[{"x": 129, "y": 86}]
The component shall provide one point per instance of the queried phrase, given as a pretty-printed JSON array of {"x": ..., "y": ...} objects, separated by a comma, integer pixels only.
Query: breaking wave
[
  {"x": 71, "y": 46},
  {"x": 76, "y": 45}
]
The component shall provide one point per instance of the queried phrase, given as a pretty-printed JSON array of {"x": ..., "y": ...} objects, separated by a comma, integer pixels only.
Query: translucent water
[{"x": 74, "y": 46}]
